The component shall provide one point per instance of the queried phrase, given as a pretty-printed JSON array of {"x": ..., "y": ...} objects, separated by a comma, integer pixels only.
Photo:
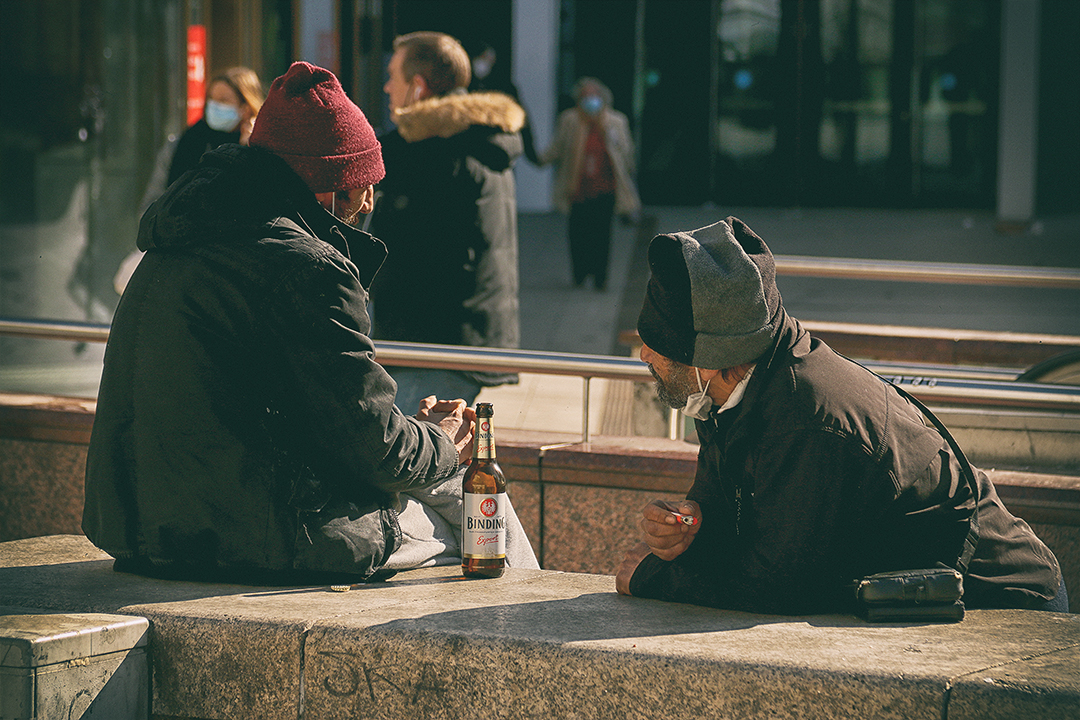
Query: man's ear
[
  {"x": 367, "y": 200},
  {"x": 708, "y": 374},
  {"x": 420, "y": 89}
]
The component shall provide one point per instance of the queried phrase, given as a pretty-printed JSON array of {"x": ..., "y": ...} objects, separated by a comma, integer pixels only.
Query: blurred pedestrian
[
  {"x": 489, "y": 74},
  {"x": 594, "y": 157},
  {"x": 233, "y": 100},
  {"x": 448, "y": 216}
]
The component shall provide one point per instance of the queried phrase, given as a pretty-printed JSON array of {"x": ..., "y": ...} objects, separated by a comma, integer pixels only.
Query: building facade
[{"x": 872, "y": 103}]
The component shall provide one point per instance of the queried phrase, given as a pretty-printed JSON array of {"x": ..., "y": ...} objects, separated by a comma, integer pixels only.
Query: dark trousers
[{"x": 590, "y": 239}]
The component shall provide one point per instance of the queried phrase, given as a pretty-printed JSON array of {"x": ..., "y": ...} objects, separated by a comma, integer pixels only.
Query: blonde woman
[{"x": 233, "y": 100}]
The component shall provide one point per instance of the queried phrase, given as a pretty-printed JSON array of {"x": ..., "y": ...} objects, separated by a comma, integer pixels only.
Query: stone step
[{"x": 544, "y": 644}]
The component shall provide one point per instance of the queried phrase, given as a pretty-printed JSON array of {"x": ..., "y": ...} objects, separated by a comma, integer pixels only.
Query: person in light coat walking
[{"x": 594, "y": 157}]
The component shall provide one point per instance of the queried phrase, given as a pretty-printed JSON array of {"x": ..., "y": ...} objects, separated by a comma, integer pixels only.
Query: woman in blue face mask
[
  {"x": 233, "y": 99},
  {"x": 594, "y": 157}
]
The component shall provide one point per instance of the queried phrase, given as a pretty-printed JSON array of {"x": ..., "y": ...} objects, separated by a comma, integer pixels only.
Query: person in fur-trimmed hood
[{"x": 447, "y": 214}]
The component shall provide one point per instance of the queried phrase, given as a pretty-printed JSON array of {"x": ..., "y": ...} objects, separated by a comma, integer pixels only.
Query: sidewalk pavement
[{"x": 557, "y": 317}]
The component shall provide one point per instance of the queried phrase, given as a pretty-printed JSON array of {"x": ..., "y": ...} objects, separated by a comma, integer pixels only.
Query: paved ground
[{"x": 558, "y": 317}]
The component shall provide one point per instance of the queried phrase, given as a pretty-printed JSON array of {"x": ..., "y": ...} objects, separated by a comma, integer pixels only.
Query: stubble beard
[
  {"x": 671, "y": 392},
  {"x": 351, "y": 213}
]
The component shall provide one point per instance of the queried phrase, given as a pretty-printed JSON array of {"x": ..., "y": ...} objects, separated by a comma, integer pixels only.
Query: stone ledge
[
  {"x": 544, "y": 644},
  {"x": 46, "y": 417}
]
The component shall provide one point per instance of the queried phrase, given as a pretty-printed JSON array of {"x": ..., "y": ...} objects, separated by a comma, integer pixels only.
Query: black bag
[{"x": 930, "y": 594}]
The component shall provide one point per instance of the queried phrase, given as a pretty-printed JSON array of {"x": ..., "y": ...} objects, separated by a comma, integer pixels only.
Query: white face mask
[
  {"x": 221, "y": 117},
  {"x": 698, "y": 404},
  {"x": 481, "y": 68}
]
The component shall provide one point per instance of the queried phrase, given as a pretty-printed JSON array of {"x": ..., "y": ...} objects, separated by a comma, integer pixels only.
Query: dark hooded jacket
[
  {"x": 824, "y": 473},
  {"x": 243, "y": 424},
  {"x": 447, "y": 212}
]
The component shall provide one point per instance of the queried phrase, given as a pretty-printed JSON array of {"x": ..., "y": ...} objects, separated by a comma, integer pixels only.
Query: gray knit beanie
[{"x": 712, "y": 300}]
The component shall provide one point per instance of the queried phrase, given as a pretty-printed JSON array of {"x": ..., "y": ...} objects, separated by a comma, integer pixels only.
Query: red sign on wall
[{"x": 196, "y": 72}]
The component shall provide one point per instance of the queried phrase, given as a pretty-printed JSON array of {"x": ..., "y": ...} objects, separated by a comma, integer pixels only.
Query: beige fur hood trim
[{"x": 449, "y": 115}]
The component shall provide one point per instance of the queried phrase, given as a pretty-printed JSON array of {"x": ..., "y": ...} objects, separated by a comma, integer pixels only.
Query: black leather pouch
[
  {"x": 953, "y": 612},
  {"x": 931, "y": 595}
]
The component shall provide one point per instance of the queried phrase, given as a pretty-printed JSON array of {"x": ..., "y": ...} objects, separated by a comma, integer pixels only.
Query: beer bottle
[{"x": 483, "y": 526}]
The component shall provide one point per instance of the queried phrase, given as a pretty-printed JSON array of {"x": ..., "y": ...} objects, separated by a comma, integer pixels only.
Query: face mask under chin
[
  {"x": 351, "y": 211},
  {"x": 698, "y": 404}
]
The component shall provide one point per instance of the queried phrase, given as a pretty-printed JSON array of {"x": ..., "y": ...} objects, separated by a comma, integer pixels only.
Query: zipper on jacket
[{"x": 738, "y": 508}]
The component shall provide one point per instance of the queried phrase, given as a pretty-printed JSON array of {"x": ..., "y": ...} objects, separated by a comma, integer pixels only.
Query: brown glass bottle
[{"x": 483, "y": 521}]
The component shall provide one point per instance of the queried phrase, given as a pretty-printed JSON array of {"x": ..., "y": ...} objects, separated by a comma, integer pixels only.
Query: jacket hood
[
  {"x": 233, "y": 191},
  {"x": 242, "y": 194},
  {"x": 452, "y": 114}
]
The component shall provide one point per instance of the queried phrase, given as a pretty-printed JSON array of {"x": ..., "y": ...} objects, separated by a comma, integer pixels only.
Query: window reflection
[{"x": 873, "y": 102}]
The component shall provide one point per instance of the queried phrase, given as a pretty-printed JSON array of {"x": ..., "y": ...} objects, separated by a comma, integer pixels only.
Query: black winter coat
[
  {"x": 447, "y": 212},
  {"x": 196, "y": 140},
  {"x": 243, "y": 423},
  {"x": 822, "y": 474}
]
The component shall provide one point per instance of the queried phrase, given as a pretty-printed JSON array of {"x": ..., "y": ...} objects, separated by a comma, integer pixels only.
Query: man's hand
[
  {"x": 670, "y": 527},
  {"x": 455, "y": 418},
  {"x": 629, "y": 564}
]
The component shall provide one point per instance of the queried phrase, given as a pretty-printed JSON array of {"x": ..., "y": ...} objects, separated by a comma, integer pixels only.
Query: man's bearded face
[
  {"x": 347, "y": 205},
  {"x": 680, "y": 382}
]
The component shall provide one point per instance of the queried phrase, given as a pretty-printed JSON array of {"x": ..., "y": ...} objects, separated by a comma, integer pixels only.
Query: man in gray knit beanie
[
  {"x": 711, "y": 305},
  {"x": 812, "y": 471}
]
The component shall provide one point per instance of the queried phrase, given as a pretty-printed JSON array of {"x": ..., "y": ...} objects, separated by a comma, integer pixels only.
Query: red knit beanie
[{"x": 309, "y": 121}]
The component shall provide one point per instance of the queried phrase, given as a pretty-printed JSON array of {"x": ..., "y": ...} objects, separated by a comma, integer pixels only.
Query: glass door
[{"x": 856, "y": 102}]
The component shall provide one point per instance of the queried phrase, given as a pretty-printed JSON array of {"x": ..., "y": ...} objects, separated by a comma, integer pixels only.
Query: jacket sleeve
[
  {"x": 342, "y": 399},
  {"x": 622, "y": 142},
  {"x": 560, "y": 148},
  {"x": 808, "y": 502}
]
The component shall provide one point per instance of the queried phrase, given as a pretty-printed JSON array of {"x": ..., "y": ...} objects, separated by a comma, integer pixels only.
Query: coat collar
[
  {"x": 363, "y": 249},
  {"x": 449, "y": 115},
  {"x": 790, "y": 340}
]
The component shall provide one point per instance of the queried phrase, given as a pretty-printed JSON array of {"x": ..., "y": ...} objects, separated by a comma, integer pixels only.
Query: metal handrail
[
  {"x": 927, "y": 272},
  {"x": 450, "y": 357},
  {"x": 55, "y": 329},
  {"x": 933, "y": 388}
]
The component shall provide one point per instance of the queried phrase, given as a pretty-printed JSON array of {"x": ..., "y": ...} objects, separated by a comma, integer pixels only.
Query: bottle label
[
  {"x": 483, "y": 532},
  {"x": 484, "y": 440}
]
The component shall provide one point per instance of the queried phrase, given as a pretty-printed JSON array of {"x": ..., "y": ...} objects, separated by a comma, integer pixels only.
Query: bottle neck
[{"x": 484, "y": 440}]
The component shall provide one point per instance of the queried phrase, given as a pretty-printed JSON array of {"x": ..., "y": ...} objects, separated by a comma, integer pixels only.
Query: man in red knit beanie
[{"x": 244, "y": 431}]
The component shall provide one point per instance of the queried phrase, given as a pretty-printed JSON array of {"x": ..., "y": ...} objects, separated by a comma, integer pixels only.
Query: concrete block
[
  {"x": 73, "y": 666},
  {"x": 1035, "y": 687},
  {"x": 564, "y": 645},
  {"x": 545, "y": 644}
]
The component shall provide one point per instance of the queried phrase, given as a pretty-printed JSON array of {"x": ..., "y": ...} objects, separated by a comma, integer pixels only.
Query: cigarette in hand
[{"x": 685, "y": 519}]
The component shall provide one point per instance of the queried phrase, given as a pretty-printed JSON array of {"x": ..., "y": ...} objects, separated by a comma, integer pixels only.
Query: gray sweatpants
[{"x": 430, "y": 522}]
